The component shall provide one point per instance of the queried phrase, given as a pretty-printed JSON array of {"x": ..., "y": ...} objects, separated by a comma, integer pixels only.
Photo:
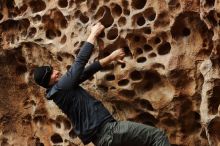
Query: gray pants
[{"x": 126, "y": 133}]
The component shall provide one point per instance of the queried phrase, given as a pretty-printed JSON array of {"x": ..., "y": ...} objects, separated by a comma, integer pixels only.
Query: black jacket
[{"x": 86, "y": 113}]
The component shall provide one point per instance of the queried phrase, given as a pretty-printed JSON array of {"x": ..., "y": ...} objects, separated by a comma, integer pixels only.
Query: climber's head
[{"x": 46, "y": 76}]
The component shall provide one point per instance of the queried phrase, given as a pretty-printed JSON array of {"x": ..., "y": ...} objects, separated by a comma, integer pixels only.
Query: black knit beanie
[{"x": 42, "y": 75}]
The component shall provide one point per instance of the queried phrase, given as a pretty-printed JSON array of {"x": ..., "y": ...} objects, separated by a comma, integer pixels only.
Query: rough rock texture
[{"x": 171, "y": 78}]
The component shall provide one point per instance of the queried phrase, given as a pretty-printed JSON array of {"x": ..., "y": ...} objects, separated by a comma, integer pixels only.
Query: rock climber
[{"x": 92, "y": 121}]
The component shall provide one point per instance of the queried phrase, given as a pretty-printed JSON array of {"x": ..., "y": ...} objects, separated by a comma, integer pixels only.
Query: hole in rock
[
  {"x": 72, "y": 35},
  {"x": 112, "y": 88},
  {"x": 58, "y": 125},
  {"x": 123, "y": 65},
  {"x": 150, "y": 14},
  {"x": 68, "y": 67},
  {"x": 145, "y": 86},
  {"x": 152, "y": 55},
  {"x": 169, "y": 122},
  {"x": 214, "y": 101},
  {"x": 213, "y": 125},
  {"x": 147, "y": 48},
  {"x": 102, "y": 34},
  {"x": 50, "y": 34},
  {"x": 10, "y": 24},
  {"x": 157, "y": 40},
  {"x": 56, "y": 138},
  {"x": 63, "y": 39},
  {"x": 21, "y": 60},
  {"x": 65, "y": 121},
  {"x": 203, "y": 133},
  {"x": 1, "y": 16},
  {"x": 164, "y": 48},
  {"x": 23, "y": 24},
  {"x": 127, "y": 93},
  {"x": 99, "y": 13},
  {"x": 174, "y": 4},
  {"x": 139, "y": 51},
  {"x": 63, "y": 23},
  {"x": 93, "y": 4},
  {"x": 147, "y": 30},
  {"x": 59, "y": 58},
  {"x": 204, "y": 44},
  {"x": 37, "y": 5},
  {"x": 125, "y": 3},
  {"x": 136, "y": 38},
  {"x": 10, "y": 4},
  {"x": 79, "y": 1},
  {"x": 126, "y": 12},
  {"x": 162, "y": 20},
  {"x": 107, "y": 20},
  {"x": 46, "y": 18},
  {"x": 211, "y": 18},
  {"x": 189, "y": 20},
  {"x": 23, "y": 8},
  {"x": 189, "y": 125},
  {"x": 40, "y": 119},
  {"x": 197, "y": 116},
  {"x": 77, "y": 13},
  {"x": 76, "y": 43},
  {"x": 141, "y": 59},
  {"x": 145, "y": 104},
  {"x": 135, "y": 75},
  {"x": 110, "y": 77},
  {"x": 72, "y": 134},
  {"x": 146, "y": 118},
  {"x": 138, "y": 4},
  {"x": 63, "y": 3},
  {"x": 186, "y": 31},
  {"x": 158, "y": 65},
  {"x": 123, "y": 82},
  {"x": 121, "y": 21},
  {"x": 140, "y": 21},
  {"x": 38, "y": 40},
  {"x": 26, "y": 120},
  {"x": 209, "y": 3},
  {"x": 116, "y": 10},
  {"x": 127, "y": 51},
  {"x": 67, "y": 124},
  {"x": 103, "y": 87},
  {"x": 38, "y": 143},
  {"x": 83, "y": 18},
  {"x": 152, "y": 76},
  {"x": 21, "y": 69},
  {"x": 23, "y": 86},
  {"x": 77, "y": 51},
  {"x": 58, "y": 32},
  {"x": 112, "y": 34},
  {"x": 32, "y": 32}
]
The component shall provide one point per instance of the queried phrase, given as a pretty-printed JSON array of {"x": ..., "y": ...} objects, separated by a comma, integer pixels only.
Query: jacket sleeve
[
  {"x": 72, "y": 76},
  {"x": 90, "y": 71}
]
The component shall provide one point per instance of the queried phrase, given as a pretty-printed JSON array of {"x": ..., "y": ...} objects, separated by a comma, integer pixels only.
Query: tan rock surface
[{"x": 171, "y": 78}]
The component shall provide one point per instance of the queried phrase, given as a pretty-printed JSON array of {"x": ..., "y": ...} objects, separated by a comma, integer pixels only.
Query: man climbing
[{"x": 92, "y": 121}]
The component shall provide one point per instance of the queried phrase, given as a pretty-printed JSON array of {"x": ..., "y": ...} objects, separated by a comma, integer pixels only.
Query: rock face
[{"x": 170, "y": 79}]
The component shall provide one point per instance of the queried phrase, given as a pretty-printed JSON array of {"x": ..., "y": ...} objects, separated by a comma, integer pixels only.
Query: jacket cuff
[
  {"x": 98, "y": 65},
  {"x": 88, "y": 44}
]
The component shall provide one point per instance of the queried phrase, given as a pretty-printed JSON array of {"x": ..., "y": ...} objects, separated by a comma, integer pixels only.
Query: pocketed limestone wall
[{"x": 170, "y": 78}]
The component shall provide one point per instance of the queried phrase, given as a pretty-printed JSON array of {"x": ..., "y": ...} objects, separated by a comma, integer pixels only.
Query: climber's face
[{"x": 55, "y": 76}]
